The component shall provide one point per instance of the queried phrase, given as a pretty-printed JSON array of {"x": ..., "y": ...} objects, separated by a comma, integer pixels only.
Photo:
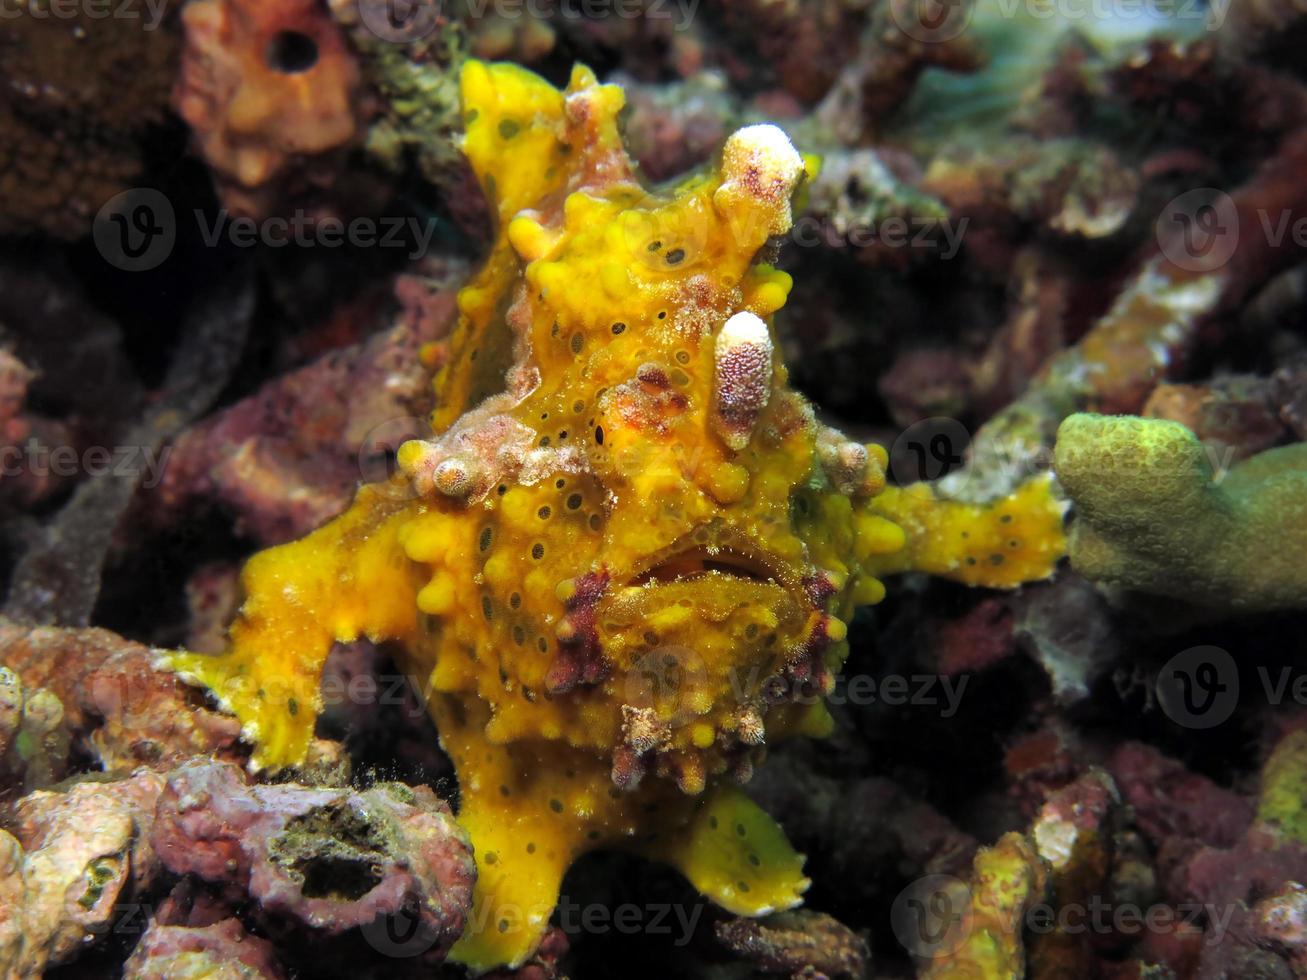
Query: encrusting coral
[
  {"x": 33, "y": 738},
  {"x": 261, "y": 83},
  {"x": 73, "y": 857},
  {"x": 1156, "y": 514},
  {"x": 221, "y": 951},
  {"x": 626, "y": 560},
  {"x": 112, "y": 704},
  {"x": 985, "y": 931},
  {"x": 416, "y": 79},
  {"x": 321, "y": 860}
]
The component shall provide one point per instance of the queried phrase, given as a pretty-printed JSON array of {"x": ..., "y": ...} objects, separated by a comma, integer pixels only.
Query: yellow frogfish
[{"x": 625, "y": 561}]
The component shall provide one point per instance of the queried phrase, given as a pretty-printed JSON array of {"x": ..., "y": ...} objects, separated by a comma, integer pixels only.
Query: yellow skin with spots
[{"x": 610, "y": 607}]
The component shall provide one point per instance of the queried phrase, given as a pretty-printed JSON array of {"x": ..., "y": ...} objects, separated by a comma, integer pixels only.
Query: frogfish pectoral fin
[
  {"x": 520, "y": 868},
  {"x": 337, "y": 584},
  {"x": 1000, "y": 545},
  {"x": 734, "y": 853}
]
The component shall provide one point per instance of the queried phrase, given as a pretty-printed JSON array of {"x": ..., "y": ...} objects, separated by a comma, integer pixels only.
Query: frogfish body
[{"x": 625, "y": 561}]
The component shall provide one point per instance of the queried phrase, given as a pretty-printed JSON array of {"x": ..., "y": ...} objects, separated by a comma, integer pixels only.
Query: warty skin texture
[{"x": 626, "y": 560}]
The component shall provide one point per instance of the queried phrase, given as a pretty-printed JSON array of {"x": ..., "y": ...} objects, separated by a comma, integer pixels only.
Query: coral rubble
[
  {"x": 609, "y": 430},
  {"x": 328, "y": 861}
]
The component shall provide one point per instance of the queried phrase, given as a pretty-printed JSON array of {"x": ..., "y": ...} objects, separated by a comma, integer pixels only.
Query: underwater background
[{"x": 645, "y": 488}]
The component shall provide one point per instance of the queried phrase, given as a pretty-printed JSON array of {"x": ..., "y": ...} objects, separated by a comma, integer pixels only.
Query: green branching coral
[{"x": 1155, "y": 513}]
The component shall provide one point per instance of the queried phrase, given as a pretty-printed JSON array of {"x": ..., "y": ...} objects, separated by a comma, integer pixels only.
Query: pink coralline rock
[
  {"x": 74, "y": 856},
  {"x": 1230, "y": 882},
  {"x": 976, "y": 640},
  {"x": 1261, "y": 863},
  {"x": 320, "y": 861},
  {"x": 21, "y": 430},
  {"x": 289, "y": 457},
  {"x": 1170, "y": 801},
  {"x": 222, "y": 951},
  {"x": 1041, "y": 763},
  {"x": 805, "y": 42},
  {"x": 213, "y": 595},
  {"x": 1211, "y": 853},
  {"x": 1235, "y": 417},
  {"x": 13, "y": 890},
  {"x": 1072, "y": 815},
  {"x": 676, "y": 126},
  {"x": 116, "y": 705},
  {"x": 1281, "y": 921},
  {"x": 926, "y": 383}
]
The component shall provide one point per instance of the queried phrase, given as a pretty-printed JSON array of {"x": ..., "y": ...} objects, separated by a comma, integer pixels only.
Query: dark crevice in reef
[{"x": 334, "y": 851}]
